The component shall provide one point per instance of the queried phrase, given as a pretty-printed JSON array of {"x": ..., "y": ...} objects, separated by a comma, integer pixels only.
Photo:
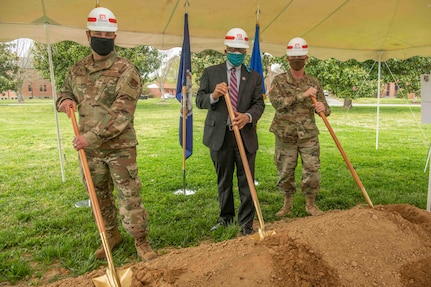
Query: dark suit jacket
[{"x": 250, "y": 101}]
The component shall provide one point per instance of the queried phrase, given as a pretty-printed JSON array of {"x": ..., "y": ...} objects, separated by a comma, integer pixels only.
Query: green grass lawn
[
  {"x": 372, "y": 100},
  {"x": 41, "y": 229}
]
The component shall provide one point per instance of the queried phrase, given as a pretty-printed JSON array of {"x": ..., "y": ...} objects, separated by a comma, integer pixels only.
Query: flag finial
[
  {"x": 257, "y": 13},
  {"x": 187, "y": 6}
]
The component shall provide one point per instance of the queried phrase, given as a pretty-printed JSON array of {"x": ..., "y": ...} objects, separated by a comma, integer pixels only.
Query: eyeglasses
[
  {"x": 100, "y": 34},
  {"x": 233, "y": 50}
]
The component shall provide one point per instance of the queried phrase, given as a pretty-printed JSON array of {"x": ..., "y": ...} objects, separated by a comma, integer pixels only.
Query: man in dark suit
[{"x": 245, "y": 89}]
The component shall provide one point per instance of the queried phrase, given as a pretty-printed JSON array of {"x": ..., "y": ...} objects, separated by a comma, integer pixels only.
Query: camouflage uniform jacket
[
  {"x": 294, "y": 114},
  {"x": 106, "y": 94}
]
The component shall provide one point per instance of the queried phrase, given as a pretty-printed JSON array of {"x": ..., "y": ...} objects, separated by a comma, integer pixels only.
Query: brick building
[
  {"x": 36, "y": 88},
  {"x": 34, "y": 85},
  {"x": 154, "y": 90}
]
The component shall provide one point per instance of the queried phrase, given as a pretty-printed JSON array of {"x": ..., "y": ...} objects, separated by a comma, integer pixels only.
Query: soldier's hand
[
  {"x": 319, "y": 107},
  {"x": 311, "y": 92},
  {"x": 80, "y": 142},
  {"x": 66, "y": 105}
]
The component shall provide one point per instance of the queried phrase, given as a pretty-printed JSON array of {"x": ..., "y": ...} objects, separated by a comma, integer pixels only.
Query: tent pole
[
  {"x": 429, "y": 192},
  {"x": 54, "y": 97},
  {"x": 378, "y": 100}
]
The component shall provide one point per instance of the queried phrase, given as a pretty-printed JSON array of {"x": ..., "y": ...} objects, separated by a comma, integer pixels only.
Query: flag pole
[
  {"x": 184, "y": 133},
  {"x": 184, "y": 84},
  {"x": 256, "y": 59},
  {"x": 184, "y": 110}
]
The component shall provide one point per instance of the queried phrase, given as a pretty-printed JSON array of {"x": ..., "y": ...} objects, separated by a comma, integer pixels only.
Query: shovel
[
  {"x": 113, "y": 278},
  {"x": 346, "y": 159},
  {"x": 262, "y": 232}
]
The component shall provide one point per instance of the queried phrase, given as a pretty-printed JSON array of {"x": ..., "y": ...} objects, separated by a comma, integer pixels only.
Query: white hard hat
[
  {"x": 297, "y": 47},
  {"x": 236, "y": 38},
  {"x": 102, "y": 19}
]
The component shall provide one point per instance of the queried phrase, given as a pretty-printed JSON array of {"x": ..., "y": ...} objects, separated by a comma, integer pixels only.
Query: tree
[
  {"x": 202, "y": 60},
  {"x": 145, "y": 58},
  {"x": 8, "y": 67},
  {"x": 406, "y": 73},
  {"x": 67, "y": 53},
  {"x": 352, "y": 79},
  {"x": 348, "y": 79},
  {"x": 64, "y": 55},
  {"x": 165, "y": 70},
  {"x": 24, "y": 62}
]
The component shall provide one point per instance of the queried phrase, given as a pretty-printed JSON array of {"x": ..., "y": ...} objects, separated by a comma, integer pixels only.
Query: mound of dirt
[{"x": 386, "y": 245}]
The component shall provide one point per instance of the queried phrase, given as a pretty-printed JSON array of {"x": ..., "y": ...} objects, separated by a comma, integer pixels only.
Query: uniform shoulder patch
[{"x": 133, "y": 83}]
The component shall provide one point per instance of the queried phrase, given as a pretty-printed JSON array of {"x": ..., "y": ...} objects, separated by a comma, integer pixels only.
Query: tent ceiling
[{"x": 342, "y": 29}]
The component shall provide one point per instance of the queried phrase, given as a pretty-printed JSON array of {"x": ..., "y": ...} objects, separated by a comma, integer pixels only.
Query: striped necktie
[{"x": 233, "y": 89}]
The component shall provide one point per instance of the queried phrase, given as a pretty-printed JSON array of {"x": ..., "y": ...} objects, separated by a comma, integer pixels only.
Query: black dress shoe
[
  {"x": 215, "y": 227},
  {"x": 221, "y": 222},
  {"x": 248, "y": 231}
]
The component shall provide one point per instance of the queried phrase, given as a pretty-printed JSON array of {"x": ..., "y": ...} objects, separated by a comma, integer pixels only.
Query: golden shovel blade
[
  {"x": 124, "y": 276},
  {"x": 262, "y": 234}
]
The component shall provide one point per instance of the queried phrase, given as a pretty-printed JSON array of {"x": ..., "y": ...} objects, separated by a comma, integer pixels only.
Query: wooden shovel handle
[
  {"x": 88, "y": 178},
  {"x": 112, "y": 275},
  {"x": 346, "y": 159},
  {"x": 244, "y": 160}
]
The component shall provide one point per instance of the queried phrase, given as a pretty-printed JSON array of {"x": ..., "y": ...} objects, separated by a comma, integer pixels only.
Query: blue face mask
[{"x": 235, "y": 59}]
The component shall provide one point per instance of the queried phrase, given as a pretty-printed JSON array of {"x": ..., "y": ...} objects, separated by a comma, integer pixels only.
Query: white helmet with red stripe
[
  {"x": 102, "y": 19},
  {"x": 236, "y": 38},
  {"x": 297, "y": 47}
]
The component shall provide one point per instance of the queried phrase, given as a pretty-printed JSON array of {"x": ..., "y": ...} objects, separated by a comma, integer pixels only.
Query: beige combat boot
[
  {"x": 287, "y": 206},
  {"x": 144, "y": 249},
  {"x": 114, "y": 239},
  {"x": 310, "y": 207}
]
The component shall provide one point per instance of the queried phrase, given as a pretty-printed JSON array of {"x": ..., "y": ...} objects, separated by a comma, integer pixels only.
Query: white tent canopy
[{"x": 342, "y": 29}]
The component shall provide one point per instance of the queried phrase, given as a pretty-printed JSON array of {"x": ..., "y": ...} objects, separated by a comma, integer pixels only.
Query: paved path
[{"x": 335, "y": 102}]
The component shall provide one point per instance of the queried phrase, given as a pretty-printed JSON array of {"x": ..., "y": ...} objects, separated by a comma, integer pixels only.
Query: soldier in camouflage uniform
[
  {"x": 105, "y": 89},
  {"x": 295, "y": 129}
]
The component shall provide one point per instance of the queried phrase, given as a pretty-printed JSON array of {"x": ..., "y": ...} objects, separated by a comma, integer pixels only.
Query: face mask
[
  {"x": 297, "y": 64},
  {"x": 235, "y": 58},
  {"x": 102, "y": 46}
]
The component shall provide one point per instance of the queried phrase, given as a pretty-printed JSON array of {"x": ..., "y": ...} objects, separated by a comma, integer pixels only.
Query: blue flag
[
  {"x": 184, "y": 90},
  {"x": 256, "y": 61}
]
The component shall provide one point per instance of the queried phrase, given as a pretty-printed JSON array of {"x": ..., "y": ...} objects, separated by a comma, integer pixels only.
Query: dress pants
[{"x": 225, "y": 160}]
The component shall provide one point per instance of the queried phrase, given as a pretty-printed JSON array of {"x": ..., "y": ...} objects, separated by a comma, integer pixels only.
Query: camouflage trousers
[
  {"x": 118, "y": 167},
  {"x": 286, "y": 160}
]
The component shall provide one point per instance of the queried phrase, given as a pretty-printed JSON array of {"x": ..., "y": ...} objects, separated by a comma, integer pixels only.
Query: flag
[
  {"x": 256, "y": 61},
  {"x": 184, "y": 90}
]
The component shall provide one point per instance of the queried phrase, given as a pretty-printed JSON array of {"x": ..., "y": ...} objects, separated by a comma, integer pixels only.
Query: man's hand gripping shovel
[
  {"x": 262, "y": 232},
  {"x": 113, "y": 278}
]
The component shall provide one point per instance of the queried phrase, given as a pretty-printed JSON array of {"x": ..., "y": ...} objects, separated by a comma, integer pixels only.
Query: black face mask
[
  {"x": 297, "y": 64},
  {"x": 102, "y": 46}
]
